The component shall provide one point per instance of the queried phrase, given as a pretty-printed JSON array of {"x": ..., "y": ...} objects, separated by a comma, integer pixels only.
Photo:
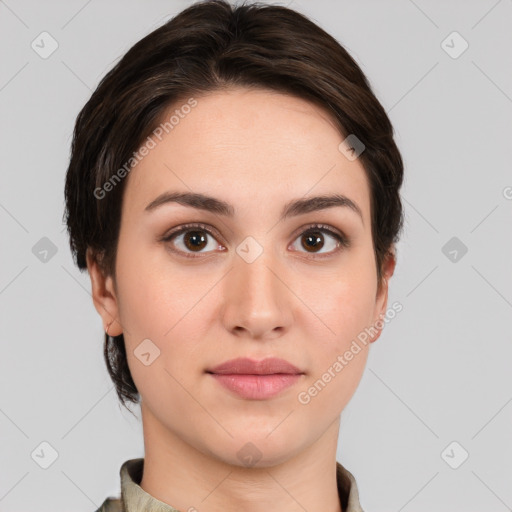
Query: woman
[{"x": 233, "y": 192}]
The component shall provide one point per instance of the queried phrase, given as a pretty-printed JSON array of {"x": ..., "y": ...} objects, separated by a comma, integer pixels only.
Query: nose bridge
[
  {"x": 256, "y": 298},
  {"x": 257, "y": 277}
]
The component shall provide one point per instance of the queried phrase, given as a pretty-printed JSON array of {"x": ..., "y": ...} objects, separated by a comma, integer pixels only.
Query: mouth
[
  {"x": 256, "y": 380},
  {"x": 246, "y": 366}
]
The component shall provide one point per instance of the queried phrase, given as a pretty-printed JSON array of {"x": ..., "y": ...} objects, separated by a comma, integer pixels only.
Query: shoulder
[
  {"x": 111, "y": 505},
  {"x": 348, "y": 490}
]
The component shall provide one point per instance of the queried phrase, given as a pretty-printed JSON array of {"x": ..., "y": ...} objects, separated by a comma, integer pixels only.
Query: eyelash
[{"x": 344, "y": 241}]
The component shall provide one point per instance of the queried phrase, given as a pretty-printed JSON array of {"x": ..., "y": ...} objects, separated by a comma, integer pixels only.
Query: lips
[
  {"x": 256, "y": 380},
  {"x": 246, "y": 366}
]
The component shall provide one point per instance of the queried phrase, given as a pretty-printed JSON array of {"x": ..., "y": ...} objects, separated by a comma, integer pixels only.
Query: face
[{"x": 246, "y": 282}]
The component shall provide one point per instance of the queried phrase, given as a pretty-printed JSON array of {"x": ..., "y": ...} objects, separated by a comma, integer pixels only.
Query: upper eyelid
[
  {"x": 190, "y": 226},
  {"x": 214, "y": 232}
]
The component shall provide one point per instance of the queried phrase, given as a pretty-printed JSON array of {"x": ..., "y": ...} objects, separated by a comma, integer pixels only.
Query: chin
[{"x": 255, "y": 448}]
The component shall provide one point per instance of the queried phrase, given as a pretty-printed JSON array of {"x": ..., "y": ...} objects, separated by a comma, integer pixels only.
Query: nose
[{"x": 257, "y": 301}]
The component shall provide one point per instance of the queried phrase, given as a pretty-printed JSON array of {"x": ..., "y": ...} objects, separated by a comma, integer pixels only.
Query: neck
[{"x": 180, "y": 475}]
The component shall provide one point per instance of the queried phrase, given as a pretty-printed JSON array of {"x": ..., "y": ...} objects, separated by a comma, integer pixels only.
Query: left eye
[
  {"x": 313, "y": 238},
  {"x": 194, "y": 238}
]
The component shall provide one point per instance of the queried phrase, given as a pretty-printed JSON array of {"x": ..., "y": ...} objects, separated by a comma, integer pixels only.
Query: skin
[{"x": 257, "y": 150}]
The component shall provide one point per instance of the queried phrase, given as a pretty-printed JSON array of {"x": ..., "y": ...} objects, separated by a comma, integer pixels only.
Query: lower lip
[{"x": 257, "y": 387}]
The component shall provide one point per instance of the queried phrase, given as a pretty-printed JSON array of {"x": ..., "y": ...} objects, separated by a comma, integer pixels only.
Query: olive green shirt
[{"x": 134, "y": 499}]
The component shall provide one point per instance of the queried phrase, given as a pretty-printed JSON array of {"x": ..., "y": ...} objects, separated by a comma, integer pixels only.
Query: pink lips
[{"x": 256, "y": 380}]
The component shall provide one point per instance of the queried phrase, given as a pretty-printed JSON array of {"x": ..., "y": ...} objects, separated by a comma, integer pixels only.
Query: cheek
[
  {"x": 339, "y": 358},
  {"x": 345, "y": 306},
  {"x": 150, "y": 297},
  {"x": 159, "y": 310},
  {"x": 345, "y": 303},
  {"x": 350, "y": 313}
]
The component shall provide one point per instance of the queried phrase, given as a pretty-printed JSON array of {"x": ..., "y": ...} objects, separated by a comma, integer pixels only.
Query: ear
[
  {"x": 381, "y": 300},
  {"x": 104, "y": 296}
]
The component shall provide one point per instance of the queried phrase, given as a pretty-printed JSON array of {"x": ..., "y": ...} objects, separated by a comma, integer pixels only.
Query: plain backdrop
[{"x": 429, "y": 427}]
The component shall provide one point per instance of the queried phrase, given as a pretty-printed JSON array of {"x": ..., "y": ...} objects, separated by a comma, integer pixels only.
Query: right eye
[{"x": 191, "y": 237}]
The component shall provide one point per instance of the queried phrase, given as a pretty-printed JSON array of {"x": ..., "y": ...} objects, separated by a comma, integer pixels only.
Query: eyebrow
[{"x": 219, "y": 207}]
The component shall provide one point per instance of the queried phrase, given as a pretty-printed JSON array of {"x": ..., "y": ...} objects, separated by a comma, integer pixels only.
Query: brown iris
[
  {"x": 313, "y": 240},
  {"x": 195, "y": 239}
]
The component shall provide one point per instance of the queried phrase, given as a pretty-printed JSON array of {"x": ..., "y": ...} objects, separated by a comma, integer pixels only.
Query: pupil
[
  {"x": 316, "y": 241},
  {"x": 194, "y": 240}
]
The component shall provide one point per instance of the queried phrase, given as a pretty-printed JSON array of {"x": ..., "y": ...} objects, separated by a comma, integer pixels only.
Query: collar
[{"x": 135, "y": 499}]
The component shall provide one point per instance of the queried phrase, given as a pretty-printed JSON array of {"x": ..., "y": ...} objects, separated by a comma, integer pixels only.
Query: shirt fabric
[{"x": 135, "y": 499}]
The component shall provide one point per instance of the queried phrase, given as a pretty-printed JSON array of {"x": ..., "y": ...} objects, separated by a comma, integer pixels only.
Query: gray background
[{"x": 441, "y": 371}]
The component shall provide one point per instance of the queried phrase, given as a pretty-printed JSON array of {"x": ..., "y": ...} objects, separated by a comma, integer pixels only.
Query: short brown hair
[{"x": 210, "y": 46}]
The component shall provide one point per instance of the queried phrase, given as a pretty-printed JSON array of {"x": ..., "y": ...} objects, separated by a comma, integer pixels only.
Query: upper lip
[{"x": 246, "y": 366}]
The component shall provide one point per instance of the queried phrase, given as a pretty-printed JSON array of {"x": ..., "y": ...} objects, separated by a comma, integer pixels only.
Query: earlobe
[
  {"x": 382, "y": 298},
  {"x": 103, "y": 295},
  {"x": 378, "y": 325}
]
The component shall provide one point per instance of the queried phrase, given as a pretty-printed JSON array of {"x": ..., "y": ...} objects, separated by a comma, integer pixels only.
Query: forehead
[{"x": 251, "y": 148}]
